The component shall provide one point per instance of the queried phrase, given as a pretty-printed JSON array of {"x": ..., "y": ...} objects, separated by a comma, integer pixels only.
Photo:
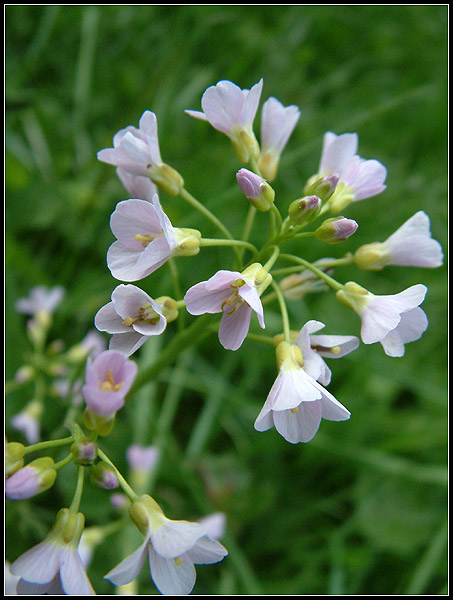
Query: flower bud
[
  {"x": 84, "y": 452},
  {"x": 260, "y": 276},
  {"x": 336, "y": 229},
  {"x": 169, "y": 308},
  {"x": 167, "y": 178},
  {"x": 257, "y": 191},
  {"x": 36, "y": 477},
  {"x": 304, "y": 210},
  {"x": 14, "y": 457},
  {"x": 104, "y": 476},
  {"x": 323, "y": 187}
]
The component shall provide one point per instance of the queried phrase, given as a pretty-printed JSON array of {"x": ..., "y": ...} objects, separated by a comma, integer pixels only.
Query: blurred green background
[{"x": 362, "y": 509}]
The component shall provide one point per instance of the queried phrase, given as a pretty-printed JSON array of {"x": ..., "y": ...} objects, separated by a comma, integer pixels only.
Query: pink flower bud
[
  {"x": 33, "y": 479},
  {"x": 104, "y": 476},
  {"x": 336, "y": 230},
  {"x": 255, "y": 189}
]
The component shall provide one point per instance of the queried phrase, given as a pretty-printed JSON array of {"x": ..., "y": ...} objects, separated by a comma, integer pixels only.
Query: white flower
[
  {"x": 277, "y": 124},
  {"x": 132, "y": 317},
  {"x": 232, "y": 111},
  {"x": 172, "y": 548},
  {"x": 337, "y": 151},
  {"x": 315, "y": 347},
  {"x": 410, "y": 246},
  {"x": 145, "y": 239},
  {"x": 214, "y": 525},
  {"x": 138, "y": 186},
  {"x": 297, "y": 402},
  {"x": 392, "y": 320},
  {"x": 54, "y": 566}
]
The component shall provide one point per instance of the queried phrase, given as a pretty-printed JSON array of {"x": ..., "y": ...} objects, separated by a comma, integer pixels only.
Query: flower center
[
  {"x": 145, "y": 239},
  {"x": 333, "y": 349},
  {"x": 146, "y": 314},
  {"x": 109, "y": 385},
  {"x": 234, "y": 301}
]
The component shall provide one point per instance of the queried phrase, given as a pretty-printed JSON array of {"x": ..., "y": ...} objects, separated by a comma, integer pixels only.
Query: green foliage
[{"x": 359, "y": 510}]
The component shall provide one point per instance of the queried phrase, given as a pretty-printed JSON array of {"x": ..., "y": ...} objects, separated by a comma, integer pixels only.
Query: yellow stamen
[
  {"x": 129, "y": 320},
  {"x": 178, "y": 561},
  {"x": 145, "y": 239},
  {"x": 295, "y": 410},
  {"x": 110, "y": 385}
]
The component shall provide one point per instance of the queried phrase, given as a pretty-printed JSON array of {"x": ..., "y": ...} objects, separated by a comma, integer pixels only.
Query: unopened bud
[
  {"x": 98, "y": 423},
  {"x": 14, "y": 457},
  {"x": 257, "y": 191},
  {"x": 336, "y": 229},
  {"x": 169, "y": 308},
  {"x": 36, "y": 477},
  {"x": 166, "y": 178},
  {"x": 323, "y": 187},
  {"x": 84, "y": 452},
  {"x": 259, "y": 275},
  {"x": 104, "y": 476},
  {"x": 304, "y": 210}
]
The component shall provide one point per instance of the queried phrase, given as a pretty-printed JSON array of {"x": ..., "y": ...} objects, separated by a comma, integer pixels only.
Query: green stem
[
  {"x": 48, "y": 444},
  {"x": 276, "y": 212},
  {"x": 264, "y": 339},
  {"x": 75, "y": 504},
  {"x": 303, "y": 234},
  {"x": 206, "y": 212},
  {"x": 270, "y": 262},
  {"x": 284, "y": 311},
  {"x": 123, "y": 483},
  {"x": 217, "y": 242},
  {"x": 329, "y": 280},
  {"x": 62, "y": 463}
]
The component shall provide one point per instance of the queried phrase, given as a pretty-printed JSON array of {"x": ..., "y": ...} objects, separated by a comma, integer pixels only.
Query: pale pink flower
[
  {"x": 232, "y": 111},
  {"x": 28, "y": 421},
  {"x": 214, "y": 525},
  {"x": 54, "y": 566},
  {"x": 337, "y": 151},
  {"x": 107, "y": 381},
  {"x": 277, "y": 125},
  {"x": 410, "y": 246},
  {"x": 142, "y": 458},
  {"x": 132, "y": 317},
  {"x": 392, "y": 320},
  {"x": 172, "y": 548},
  {"x": 235, "y": 295},
  {"x": 38, "y": 476},
  {"x": 317, "y": 347},
  {"x": 297, "y": 402},
  {"x": 135, "y": 150},
  {"x": 145, "y": 239},
  {"x": 41, "y": 299}
]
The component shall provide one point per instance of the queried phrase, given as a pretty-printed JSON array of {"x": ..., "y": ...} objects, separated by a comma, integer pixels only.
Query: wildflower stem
[
  {"x": 284, "y": 311},
  {"x": 329, "y": 280},
  {"x": 48, "y": 444},
  {"x": 62, "y": 463},
  {"x": 264, "y": 339},
  {"x": 75, "y": 504},
  {"x": 206, "y": 212},
  {"x": 123, "y": 483},
  {"x": 270, "y": 262},
  {"x": 217, "y": 242}
]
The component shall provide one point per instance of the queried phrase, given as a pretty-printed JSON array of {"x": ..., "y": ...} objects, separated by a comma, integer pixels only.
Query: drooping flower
[
  {"x": 392, "y": 320},
  {"x": 54, "y": 566},
  {"x": 235, "y": 295},
  {"x": 107, "y": 381},
  {"x": 277, "y": 125},
  {"x": 232, "y": 111},
  {"x": 297, "y": 402},
  {"x": 410, "y": 246},
  {"x": 136, "y": 151},
  {"x": 145, "y": 239},
  {"x": 317, "y": 347},
  {"x": 172, "y": 548},
  {"x": 132, "y": 317}
]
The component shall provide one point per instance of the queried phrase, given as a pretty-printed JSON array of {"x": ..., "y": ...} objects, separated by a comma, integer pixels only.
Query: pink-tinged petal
[
  {"x": 199, "y": 300},
  {"x": 234, "y": 327},
  {"x": 277, "y": 124},
  {"x": 107, "y": 319},
  {"x": 222, "y": 105},
  {"x": 132, "y": 217},
  {"x": 222, "y": 279},
  {"x": 345, "y": 343},
  {"x": 129, "y": 568},
  {"x": 148, "y": 125},
  {"x": 297, "y": 386},
  {"x": 137, "y": 186},
  {"x": 411, "y": 327},
  {"x": 22, "y": 484},
  {"x": 250, "y": 106},
  {"x": 206, "y": 552},
  {"x": 250, "y": 295},
  {"x": 40, "y": 564},
  {"x": 214, "y": 525},
  {"x": 337, "y": 152},
  {"x": 197, "y": 114},
  {"x": 365, "y": 177},
  {"x": 127, "y": 343},
  {"x": 165, "y": 224},
  {"x": 74, "y": 580},
  {"x": 128, "y": 299},
  {"x": 122, "y": 263},
  {"x": 171, "y": 577},
  {"x": 176, "y": 537},
  {"x": 332, "y": 410},
  {"x": 265, "y": 420},
  {"x": 300, "y": 426}
]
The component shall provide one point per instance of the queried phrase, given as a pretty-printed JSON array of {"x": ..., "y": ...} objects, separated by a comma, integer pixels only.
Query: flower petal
[
  {"x": 73, "y": 576},
  {"x": 176, "y": 537},
  {"x": 234, "y": 327},
  {"x": 129, "y": 568},
  {"x": 171, "y": 577},
  {"x": 300, "y": 426},
  {"x": 40, "y": 564}
]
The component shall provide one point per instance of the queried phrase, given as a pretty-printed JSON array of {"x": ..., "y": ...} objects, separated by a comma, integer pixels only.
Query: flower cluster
[{"x": 145, "y": 241}]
